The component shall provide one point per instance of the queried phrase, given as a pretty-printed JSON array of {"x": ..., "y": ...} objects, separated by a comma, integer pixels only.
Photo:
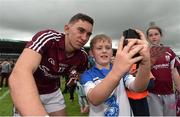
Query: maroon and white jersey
[
  {"x": 162, "y": 72},
  {"x": 51, "y": 45}
]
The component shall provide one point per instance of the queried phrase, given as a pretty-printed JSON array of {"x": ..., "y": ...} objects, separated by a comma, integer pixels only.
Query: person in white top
[{"x": 103, "y": 83}]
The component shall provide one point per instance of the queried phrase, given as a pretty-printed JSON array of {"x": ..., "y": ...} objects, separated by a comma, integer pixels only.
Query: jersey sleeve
[
  {"x": 173, "y": 58},
  {"x": 41, "y": 40},
  {"x": 177, "y": 62},
  {"x": 128, "y": 79}
]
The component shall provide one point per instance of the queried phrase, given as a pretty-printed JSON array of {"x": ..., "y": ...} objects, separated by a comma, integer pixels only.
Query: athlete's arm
[{"x": 23, "y": 87}]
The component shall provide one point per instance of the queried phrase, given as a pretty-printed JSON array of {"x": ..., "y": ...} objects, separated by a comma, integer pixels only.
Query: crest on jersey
[
  {"x": 51, "y": 61},
  {"x": 167, "y": 57}
]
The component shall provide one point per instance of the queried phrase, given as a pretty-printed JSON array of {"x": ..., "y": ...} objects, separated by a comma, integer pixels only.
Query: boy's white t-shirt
[{"x": 122, "y": 99}]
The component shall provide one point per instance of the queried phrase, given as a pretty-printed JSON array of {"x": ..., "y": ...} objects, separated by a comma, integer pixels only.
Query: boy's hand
[
  {"x": 124, "y": 56},
  {"x": 145, "y": 51}
]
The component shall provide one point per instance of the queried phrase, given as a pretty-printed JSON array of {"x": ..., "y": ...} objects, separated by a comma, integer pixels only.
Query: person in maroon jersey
[
  {"x": 178, "y": 67},
  {"x": 177, "y": 92},
  {"x": 34, "y": 82},
  {"x": 161, "y": 98}
]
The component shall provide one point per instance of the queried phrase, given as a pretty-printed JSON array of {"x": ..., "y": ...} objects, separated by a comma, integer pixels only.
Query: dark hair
[
  {"x": 154, "y": 27},
  {"x": 83, "y": 17}
]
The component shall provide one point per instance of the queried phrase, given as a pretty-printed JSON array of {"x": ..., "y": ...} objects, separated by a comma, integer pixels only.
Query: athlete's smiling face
[{"x": 78, "y": 33}]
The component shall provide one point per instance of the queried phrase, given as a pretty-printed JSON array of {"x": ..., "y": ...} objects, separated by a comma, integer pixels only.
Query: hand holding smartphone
[{"x": 130, "y": 34}]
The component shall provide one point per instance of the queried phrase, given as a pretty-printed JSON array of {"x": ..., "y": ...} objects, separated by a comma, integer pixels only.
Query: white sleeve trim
[
  {"x": 128, "y": 81},
  {"x": 88, "y": 85}
]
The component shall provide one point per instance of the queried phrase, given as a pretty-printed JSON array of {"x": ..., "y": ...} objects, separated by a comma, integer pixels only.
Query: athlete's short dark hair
[{"x": 83, "y": 17}]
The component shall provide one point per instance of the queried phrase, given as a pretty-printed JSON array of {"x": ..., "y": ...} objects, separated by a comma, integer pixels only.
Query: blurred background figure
[
  {"x": 5, "y": 71},
  {"x": 91, "y": 61}
]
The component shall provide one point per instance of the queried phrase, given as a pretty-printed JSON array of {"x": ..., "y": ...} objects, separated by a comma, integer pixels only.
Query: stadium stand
[{"x": 11, "y": 48}]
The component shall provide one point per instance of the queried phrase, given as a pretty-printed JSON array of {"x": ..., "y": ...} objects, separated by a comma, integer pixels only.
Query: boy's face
[{"x": 102, "y": 52}]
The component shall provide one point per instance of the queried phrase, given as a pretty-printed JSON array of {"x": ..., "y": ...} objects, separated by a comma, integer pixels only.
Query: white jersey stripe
[
  {"x": 44, "y": 38},
  {"x": 39, "y": 43},
  {"x": 55, "y": 37},
  {"x": 177, "y": 59},
  {"x": 40, "y": 40},
  {"x": 84, "y": 53},
  {"x": 37, "y": 40},
  {"x": 44, "y": 43},
  {"x": 172, "y": 63}
]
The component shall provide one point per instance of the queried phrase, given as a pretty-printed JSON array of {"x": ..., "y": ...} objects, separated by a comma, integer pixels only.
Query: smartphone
[{"x": 130, "y": 34}]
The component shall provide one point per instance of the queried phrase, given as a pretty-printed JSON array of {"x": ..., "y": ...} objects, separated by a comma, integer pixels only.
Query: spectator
[
  {"x": 90, "y": 59},
  {"x": 161, "y": 98},
  {"x": 5, "y": 71},
  {"x": 177, "y": 93},
  {"x": 71, "y": 85}
]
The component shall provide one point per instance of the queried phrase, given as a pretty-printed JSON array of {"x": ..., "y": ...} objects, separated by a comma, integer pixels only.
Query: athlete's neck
[{"x": 69, "y": 48}]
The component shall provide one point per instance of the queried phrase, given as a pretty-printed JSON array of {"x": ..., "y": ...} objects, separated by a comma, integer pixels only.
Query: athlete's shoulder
[
  {"x": 43, "y": 39},
  {"x": 48, "y": 31},
  {"x": 47, "y": 34},
  {"x": 170, "y": 51}
]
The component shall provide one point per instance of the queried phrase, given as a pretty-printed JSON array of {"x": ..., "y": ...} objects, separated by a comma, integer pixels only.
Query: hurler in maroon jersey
[{"x": 34, "y": 82}]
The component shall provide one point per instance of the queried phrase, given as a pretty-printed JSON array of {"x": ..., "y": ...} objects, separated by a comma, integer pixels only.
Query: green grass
[
  {"x": 6, "y": 105},
  {"x": 73, "y": 108}
]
